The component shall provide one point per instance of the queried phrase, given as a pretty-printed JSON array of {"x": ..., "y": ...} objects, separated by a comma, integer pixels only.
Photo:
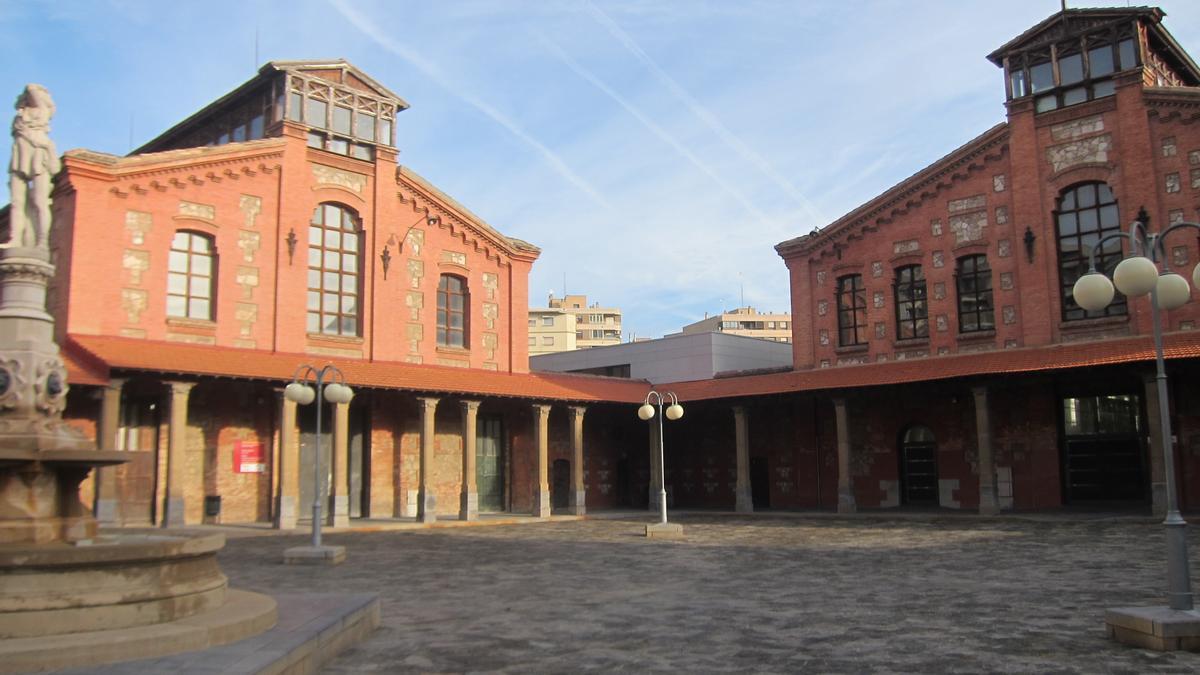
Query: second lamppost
[
  {"x": 1139, "y": 275},
  {"x": 673, "y": 412},
  {"x": 309, "y": 384}
]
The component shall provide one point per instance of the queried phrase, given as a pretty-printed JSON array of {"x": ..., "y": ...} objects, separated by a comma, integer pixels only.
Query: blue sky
[{"x": 655, "y": 150}]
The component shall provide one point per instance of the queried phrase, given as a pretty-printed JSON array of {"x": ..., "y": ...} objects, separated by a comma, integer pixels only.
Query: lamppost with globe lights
[
  {"x": 327, "y": 384},
  {"x": 673, "y": 412},
  {"x": 1137, "y": 275}
]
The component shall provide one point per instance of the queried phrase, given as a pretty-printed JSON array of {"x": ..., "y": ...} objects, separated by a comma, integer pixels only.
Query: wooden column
[
  {"x": 339, "y": 485},
  {"x": 578, "y": 489},
  {"x": 426, "y": 499},
  {"x": 108, "y": 499},
  {"x": 541, "y": 495},
  {"x": 989, "y": 504},
  {"x": 846, "y": 503},
  {"x": 176, "y": 454},
  {"x": 287, "y": 506},
  {"x": 468, "y": 500},
  {"x": 744, "y": 498}
]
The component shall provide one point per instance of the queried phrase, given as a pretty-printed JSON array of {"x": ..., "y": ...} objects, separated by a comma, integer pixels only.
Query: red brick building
[
  {"x": 274, "y": 228},
  {"x": 939, "y": 358}
]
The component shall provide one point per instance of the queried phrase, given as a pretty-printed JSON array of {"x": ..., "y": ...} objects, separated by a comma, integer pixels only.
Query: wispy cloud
[
  {"x": 430, "y": 70},
  {"x": 656, "y": 129},
  {"x": 703, "y": 113}
]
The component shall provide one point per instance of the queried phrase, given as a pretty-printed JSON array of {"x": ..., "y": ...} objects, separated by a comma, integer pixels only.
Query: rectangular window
[
  {"x": 532, "y": 341},
  {"x": 974, "y": 281},
  {"x": 533, "y": 323},
  {"x": 256, "y": 127},
  {"x": 911, "y": 311},
  {"x": 341, "y": 119},
  {"x": 314, "y": 113},
  {"x": 547, "y": 321},
  {"x": 547, "y": 339},
  {"x": 452, "y": 303},
  {"x": 1128, "y": 54},
  {"x": 295, "y": 106},
  {"x": 190, "y": 276},
  {"x": 385, "y": 132},
  {"x": 1070, "y": 69},
  {"x": 333, "y": 282},
  {"x": 1017, "y": 79},
  {"x": 1100, "y": 61},
  {"x": 852, "y": 311},
  {"x": 364, "y": 126},
  {"x": 1041, "y": 77}
]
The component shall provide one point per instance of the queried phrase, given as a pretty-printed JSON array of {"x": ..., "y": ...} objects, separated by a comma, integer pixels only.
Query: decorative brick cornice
[{"x": 903, "y": 197}]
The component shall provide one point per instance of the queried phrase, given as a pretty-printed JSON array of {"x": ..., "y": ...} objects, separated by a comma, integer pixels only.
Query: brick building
[
  {"x": 939, "y": 357},
  {"x": 274, "y": 228}
]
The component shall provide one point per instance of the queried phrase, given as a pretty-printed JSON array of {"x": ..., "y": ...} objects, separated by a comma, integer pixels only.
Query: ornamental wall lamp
[
  {"x": 386, "y": 259},
  {"x": 646, "y": 413},
  {"x": 1139, "y": 274},
  {"x": 327, "y": 384},
  {"x": 291, "y": 245},
  {"x": 1029, "y": 240},
  {"x": 431, "y": 221}
]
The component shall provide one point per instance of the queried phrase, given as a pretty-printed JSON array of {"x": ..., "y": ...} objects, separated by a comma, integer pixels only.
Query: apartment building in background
[
  {"x": 551, "y": 330},
  {"x": 595, "y": 326},
  {"x": 745, "y": 321}
]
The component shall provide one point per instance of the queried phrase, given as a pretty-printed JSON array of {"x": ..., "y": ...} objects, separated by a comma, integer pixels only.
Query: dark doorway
[
  {"x": 360, "y": 460},
  {"x": 1102, "y": 449},
  {"x": 918, "y": 467},
  {"x": 623, "y": 497},
  {"x": 560, "y": 484},
  {"x": 306, "y": 418},
  {"x": 760, "y": 482},
  {"x": 489, "y": 462}
]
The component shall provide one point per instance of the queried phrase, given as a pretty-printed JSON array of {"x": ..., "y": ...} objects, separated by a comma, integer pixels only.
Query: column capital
[
  {"x": 739, "y": 410},
  {"x": 470, "y": 406},
  {"x": 180, "y": 388},
  {"x": 577, "y": 410},
  {"x": 979, "y": 390},
  {"x": 428, "y": 402},
  {"x": 116, "y": 383},
  {"x": 839, "y": 401},
  {"x": 542, "y": 408}
]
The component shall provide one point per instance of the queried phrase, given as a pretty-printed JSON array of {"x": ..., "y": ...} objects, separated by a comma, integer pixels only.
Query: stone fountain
[{"x": 68, "y": 595}]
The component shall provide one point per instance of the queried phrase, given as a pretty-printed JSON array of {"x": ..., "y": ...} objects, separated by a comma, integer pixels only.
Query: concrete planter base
[
  {"x": 314, "y": 555},
  {"x": 665, "y": 531},
  {"x": 1159, "y": 628}
]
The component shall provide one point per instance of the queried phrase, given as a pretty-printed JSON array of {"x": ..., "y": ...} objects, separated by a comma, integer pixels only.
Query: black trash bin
[{"x": 212, "y": 508}]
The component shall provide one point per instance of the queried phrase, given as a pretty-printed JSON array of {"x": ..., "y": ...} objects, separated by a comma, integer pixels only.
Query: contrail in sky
[
  {"x": 700, "y": 111},
  {"x": 434, "y": 73},
  {"x": 656, "y": 129}
]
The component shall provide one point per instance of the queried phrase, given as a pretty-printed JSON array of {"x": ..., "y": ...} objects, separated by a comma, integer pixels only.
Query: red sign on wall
[{"x": 248, "y": 457}]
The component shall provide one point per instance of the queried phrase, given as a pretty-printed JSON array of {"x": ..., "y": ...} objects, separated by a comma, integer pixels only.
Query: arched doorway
[{"x": 918, "y": 467}]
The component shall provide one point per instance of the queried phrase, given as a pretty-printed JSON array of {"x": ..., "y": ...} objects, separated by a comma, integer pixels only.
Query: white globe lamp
[
  {"x": 1093, "y": 291},
  {"x": 298, "y": 392},
  {"x": 674, "y": 411},
  {"x": 646, "y": 412},
  {"x": 1173, "y": 291},
  {"x": 1136, "y": 275}
]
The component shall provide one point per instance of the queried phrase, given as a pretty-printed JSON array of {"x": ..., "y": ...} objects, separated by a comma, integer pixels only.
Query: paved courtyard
[{"x": 782, "y": 594}]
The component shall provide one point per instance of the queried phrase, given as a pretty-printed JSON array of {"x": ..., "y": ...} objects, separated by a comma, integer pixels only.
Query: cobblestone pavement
[{"x": 768, "y": 594}]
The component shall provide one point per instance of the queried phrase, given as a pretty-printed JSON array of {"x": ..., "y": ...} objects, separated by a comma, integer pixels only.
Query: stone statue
[{"x": 34, "y": 163}]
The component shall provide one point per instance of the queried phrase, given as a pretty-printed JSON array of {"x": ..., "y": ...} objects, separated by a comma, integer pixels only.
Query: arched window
[
  {"x": 1086, "y": 213},
  {"x": 912, "y": 313},
  {"x": 852, "y": 310},
  {"x": 453, "y": 301},
  {"x": 974, "y": 281},
  {"x": 191, "y": 269},
  {"x": 333, "y": 271}
]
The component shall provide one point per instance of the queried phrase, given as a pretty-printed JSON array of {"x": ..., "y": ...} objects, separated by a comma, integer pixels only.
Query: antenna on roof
[
  {"x": 255, "y": 64},
  {"x": 130, "y": 131},
  {"x": 1064, "y": 5}
]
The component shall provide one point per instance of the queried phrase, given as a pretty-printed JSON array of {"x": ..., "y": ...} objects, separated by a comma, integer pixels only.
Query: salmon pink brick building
[{"x": 274, "y": 228}]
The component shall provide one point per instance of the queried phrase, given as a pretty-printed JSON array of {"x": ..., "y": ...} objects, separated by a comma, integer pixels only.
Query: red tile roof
[
  {"x": 1007, "y": 361},
  {"x": 82, "y": 367},
  {"x": 186, "y": 359}
]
